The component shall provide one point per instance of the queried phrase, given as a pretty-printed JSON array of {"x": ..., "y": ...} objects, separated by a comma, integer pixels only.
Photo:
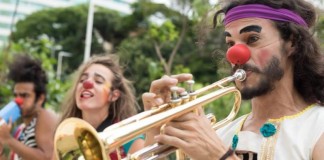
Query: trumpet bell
[{"x": 77, "y": 139}]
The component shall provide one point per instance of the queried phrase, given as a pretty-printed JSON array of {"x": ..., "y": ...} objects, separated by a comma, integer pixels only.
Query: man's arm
[
  {"x": 44, "y": 131},
  {"x": 2, "y": 155},
  {"x": 318, "y": 149}
]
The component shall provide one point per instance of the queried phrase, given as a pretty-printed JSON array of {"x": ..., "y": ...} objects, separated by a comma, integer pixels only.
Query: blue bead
[
  {"x": 268, "y": 129},
  {"x": 234, "y": 141}
]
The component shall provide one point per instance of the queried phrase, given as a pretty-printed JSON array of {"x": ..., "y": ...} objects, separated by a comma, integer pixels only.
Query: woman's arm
[{"x": 134, "y": 145}]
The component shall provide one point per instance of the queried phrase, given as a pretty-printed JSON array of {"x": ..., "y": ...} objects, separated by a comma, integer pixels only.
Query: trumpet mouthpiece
[{"x": 240, "y": 75}]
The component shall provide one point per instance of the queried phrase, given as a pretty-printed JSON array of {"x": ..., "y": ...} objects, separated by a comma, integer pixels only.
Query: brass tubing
[
  {"x": 75, "y": 137},
  {"x": 123, "y": 134},
  {"x": 180, "y": 110}
]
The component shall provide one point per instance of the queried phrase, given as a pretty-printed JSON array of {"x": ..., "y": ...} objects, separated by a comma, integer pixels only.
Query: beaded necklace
[{"x": 268, "y": 129}]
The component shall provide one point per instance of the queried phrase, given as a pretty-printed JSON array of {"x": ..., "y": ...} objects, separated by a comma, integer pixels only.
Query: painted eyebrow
[
  {"x": 251, "y": 28},
  {"x": 227, "y": 34}
]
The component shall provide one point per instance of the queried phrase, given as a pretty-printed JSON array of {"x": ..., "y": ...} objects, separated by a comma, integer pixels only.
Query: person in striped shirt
[{"x": 31, "y": 139}]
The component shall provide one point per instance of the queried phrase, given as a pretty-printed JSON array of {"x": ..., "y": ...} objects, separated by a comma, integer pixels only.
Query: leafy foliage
[{"x": 67, "y": 26}]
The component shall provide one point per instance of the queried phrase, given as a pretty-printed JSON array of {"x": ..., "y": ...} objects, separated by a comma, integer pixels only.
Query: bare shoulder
[
  {"x": 49, "y": 116},
  {"x": 46, "y": 124}
]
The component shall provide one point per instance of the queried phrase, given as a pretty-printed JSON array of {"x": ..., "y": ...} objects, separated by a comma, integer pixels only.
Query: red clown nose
[
  {"x": 87, "y": 85},
  {"x": 238, "y": 54},
  {"x": 19, "y": 101}
]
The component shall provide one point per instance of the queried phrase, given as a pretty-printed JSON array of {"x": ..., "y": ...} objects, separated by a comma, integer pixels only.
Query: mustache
[{"x": 246, "y": 67}]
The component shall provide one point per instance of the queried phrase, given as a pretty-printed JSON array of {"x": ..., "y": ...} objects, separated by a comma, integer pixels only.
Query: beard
[
  {"x": 29, "y": 112},
  {"x": 269, "y": 76}
]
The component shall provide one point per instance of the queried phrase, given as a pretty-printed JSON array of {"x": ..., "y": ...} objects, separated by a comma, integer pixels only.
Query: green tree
[
  {"x": 67, "y": 26},
  {"x": 169, "y": 47}
]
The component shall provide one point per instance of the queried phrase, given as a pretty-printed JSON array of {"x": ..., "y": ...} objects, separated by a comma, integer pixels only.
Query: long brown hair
[
  {"x": 307, "y": 58},
  {"x": 124, "y": 107}
]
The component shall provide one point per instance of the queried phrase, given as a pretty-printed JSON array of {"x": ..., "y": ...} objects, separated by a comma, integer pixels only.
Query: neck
[
  {"x": 284, "y": 100},
  {"x": 95, "y": 118},
  {"x": 30, "y": 115}
]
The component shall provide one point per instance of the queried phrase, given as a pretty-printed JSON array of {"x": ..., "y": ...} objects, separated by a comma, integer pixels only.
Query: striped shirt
[{"x": 27, "y": 137}]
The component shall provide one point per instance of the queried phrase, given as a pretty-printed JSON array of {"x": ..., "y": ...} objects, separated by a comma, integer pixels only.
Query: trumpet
[{"x": 77, "y": 139}]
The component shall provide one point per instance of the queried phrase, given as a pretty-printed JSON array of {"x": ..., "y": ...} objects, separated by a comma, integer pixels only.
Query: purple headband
[{"x": 263, "y": 11}]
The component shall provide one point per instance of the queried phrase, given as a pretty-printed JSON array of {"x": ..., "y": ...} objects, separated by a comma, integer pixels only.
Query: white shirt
[{"x": 294, "y": 139}]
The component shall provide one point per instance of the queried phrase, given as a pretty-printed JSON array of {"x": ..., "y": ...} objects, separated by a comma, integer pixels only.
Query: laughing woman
[{"x": 102, "y": 96}]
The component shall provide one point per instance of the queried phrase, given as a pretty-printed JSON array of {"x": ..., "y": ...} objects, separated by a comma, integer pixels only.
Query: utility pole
[{"x": 89, "y": 31}]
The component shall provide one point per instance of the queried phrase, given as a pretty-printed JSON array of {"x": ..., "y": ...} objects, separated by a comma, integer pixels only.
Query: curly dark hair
[
  {"x": 308, "y": 61},
  {"x": 25, "y": 69}
]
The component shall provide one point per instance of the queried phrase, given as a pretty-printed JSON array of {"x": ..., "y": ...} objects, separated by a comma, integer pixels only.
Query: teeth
[{"x": 86, "y": 94}]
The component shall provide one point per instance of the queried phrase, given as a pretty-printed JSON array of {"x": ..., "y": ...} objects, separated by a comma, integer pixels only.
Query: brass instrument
[{"x": 76, "y": 139}]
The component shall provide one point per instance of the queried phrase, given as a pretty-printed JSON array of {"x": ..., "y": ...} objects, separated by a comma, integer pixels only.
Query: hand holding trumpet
[
  {"x": 191, "y": 132},
  {"x": 160, "y": 94}
]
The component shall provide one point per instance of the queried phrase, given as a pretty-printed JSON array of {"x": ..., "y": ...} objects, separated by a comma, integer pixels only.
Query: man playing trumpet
[{"x": 285, "y": 83}]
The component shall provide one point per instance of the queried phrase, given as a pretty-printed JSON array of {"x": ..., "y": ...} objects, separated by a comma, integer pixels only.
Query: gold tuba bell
[{"x": 76, "y": 139}]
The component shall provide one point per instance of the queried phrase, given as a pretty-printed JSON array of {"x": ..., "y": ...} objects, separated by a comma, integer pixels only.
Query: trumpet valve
[
  {"x": 185, "y": 97},
  {"x": 190, "y": 90},
  {"x": 192, "y": 96},
  {"x": 175, "y": 98},
  {"x": 190, "y": 85}
]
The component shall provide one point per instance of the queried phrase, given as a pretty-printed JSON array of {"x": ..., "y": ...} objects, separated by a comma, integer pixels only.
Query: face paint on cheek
[
  {"x": 263, "y": 58},
  {"x": 106, "y": 89}
]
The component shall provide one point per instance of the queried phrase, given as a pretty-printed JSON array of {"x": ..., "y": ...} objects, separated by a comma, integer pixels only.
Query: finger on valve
[
  {"x": 167, "y": 81},
  {"x": 150, "y": 100}
]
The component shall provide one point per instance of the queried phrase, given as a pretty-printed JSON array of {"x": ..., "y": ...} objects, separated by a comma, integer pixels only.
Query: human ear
[
  {"x": 289, "y": 46},
  {"x": 115, "y": 95},
  {"x": 40, "y": 100}
]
